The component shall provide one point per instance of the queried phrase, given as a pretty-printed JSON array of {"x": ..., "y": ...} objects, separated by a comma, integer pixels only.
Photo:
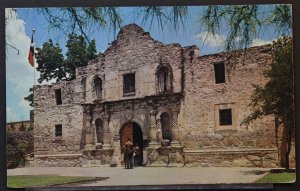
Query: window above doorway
[
  {"x": 129, "y": 84},
  {"x": 98, "y": 88},
  {"x": 164, "y": 78}
]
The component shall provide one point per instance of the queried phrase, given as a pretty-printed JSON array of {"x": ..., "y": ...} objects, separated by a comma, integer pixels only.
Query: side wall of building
[
  {"x": 199, "y": 118},
  {"x": 48, "y": 114}
]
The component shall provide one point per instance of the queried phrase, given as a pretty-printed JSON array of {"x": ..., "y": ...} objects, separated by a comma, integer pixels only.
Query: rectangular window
[
  {"x": 58, "y": 97},
  {"x": 58, "y": 130},
  {"x": 219, "y": 73},
  {"x": 225, "y": 116},
  {"x": 129, "y": 84}
]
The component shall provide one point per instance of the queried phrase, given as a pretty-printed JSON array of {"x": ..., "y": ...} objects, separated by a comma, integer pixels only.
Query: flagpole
[{"x": 33, "y": 31}]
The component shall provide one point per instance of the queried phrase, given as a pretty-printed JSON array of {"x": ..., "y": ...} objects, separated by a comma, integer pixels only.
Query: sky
[{"x": 21, "y": 76}]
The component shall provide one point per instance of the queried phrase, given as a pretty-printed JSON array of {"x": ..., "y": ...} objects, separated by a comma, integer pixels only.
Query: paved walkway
[{"x": 151, "y": 175}]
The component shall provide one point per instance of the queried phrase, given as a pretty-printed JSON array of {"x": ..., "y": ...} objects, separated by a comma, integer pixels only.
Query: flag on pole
[{"x": 31, "y": 53}]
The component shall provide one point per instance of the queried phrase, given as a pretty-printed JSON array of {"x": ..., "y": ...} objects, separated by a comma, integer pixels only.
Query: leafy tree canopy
[
  {"x": 243, "y": 23},
  {"x": 277, "y": 96},
  {"x": 53, "y": 65}
]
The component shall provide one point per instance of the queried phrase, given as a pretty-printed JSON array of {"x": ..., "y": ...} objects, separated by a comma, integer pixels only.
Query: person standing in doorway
[
  {"x": 137, "y": 155},
  {"x": 128, "y": 154}
]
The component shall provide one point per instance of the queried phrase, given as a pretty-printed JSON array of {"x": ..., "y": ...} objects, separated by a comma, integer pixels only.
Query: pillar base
[
  {"x": 175, "y": 143},
  {"x": 89, "y": 147},
  {"x": 106, "y": 146},
  {"x": 154, "y": 144}
]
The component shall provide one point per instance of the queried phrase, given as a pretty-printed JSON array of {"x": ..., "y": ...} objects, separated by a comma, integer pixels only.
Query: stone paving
[{"x": 151, "y": 175}]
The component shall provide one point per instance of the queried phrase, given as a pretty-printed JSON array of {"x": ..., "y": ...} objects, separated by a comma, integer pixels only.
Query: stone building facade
[
  {"x": 18, "y": 126},
  {"x": 180, "y": 108}
]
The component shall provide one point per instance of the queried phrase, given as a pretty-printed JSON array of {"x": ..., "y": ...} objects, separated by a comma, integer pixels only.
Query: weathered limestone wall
[
  {"x": 199, "y": 116},
  {"x": 65, "y": 160},
  {"x": 19, "y": 126},
  {"x": 134, "y": 51},
  {"x": 195, "y": 97},
  {"x": 47, "y": 114},
  {"x": 165, "y": 156},
  {"x": 200, "y": 131},
  {"x": 266, "y": 158}
]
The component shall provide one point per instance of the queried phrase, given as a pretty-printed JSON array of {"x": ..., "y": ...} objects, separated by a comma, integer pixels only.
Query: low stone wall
[
  {"x": 97, "y": 157},
  {"x": 165, "y": 156},
  {"x": 174, "y": 156},
  {"x": 266, "y": 158},
  {"x": 87, "y": 159},
  {"x": 62, "y": 160}
]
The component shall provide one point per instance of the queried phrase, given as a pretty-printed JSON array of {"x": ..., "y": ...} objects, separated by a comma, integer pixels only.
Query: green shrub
[{"x": 18, "y": 144}]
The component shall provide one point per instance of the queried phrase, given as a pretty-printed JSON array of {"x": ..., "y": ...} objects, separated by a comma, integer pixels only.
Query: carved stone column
[
  {"x": 153, "y": 136},
  {"x": 88, "y": 128},
  {"x": 174, "y": 128},
  {"x": 106, "y": 144},
  {"x": 116, "y": 158}
]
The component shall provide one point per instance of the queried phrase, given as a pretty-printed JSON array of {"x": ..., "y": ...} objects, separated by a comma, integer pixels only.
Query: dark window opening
[
  {"x": 164, "y": 79},
  {"x": 98, "y": 87},
  {"x": 129, "y": 83},
  {"x": 219, "y": 73},
  {"x": 166, "y": 126},
  {"x": 225, "y": 116},
  {"x": 83, "y": 84},
  {"x": 99, "y": 130},
  {"x": 58, "y": 130},
  {"x": 58, "y": 97}
]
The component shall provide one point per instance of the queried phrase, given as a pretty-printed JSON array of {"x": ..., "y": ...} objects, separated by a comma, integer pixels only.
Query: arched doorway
[{"x": 132, "y": 131}]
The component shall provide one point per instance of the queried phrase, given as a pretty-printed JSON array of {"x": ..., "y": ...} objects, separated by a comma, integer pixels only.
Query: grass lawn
[
  {"x": 283, "y": 177},
  {"x": 45, "y": 180}
]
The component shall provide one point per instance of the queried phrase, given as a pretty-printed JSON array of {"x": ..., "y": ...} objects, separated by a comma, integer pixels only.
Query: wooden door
[{"x": 126, "y": 133}]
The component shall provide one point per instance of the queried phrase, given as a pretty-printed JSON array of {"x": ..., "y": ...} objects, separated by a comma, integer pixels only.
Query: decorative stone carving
[{"x": 106, "y": 144}]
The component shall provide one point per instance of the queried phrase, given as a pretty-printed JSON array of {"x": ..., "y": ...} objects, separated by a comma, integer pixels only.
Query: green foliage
[
  {"x": 277, "y": 96},
  {"x": 30, "y": 97},
  {"x": 245, "y": 22},
  {"x": 283, "y": 177},
  {"x": 80, "y": 20},
  {"x": 53, "y": 65},
  {"x": 44, "y": 180},
  {"x": 14, "y": 154},
  {"x": 79, "y": 53},
  {"x": 50, "y": 62},
  {"x": 170, "y": 17},
  {"x": 17, "y": 146}
]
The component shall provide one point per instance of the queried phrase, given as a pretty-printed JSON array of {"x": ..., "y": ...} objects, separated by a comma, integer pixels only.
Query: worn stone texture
[
  {"x": 190, "y": 104},
  {"x": 18, "y": 126},
  {"x": 266, "y": 158},
  {"x": 165, "y": 156}
]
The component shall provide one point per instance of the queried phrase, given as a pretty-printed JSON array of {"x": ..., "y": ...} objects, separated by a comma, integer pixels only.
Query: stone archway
[
  {"x": 139, "y": 121},
  {"x": 133, "y": 132}
]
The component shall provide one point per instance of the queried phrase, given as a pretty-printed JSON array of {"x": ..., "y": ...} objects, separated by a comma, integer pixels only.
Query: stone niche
[{"x": 165, "y": 156}]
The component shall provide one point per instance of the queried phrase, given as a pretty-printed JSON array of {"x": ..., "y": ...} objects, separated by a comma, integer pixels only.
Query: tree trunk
[
  {"x": 288, "y": 128},
  {"x": 276, "y": 136},
  {"x": 283, "y": 148}
]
